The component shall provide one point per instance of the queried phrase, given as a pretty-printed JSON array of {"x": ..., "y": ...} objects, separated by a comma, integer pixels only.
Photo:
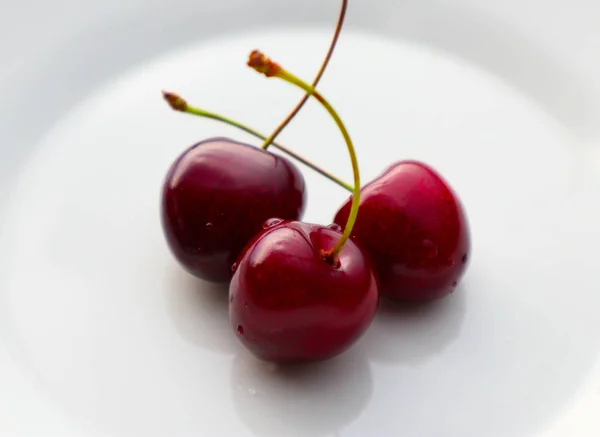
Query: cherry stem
[
  {"x": 262, "y": 64},
  {"x": 179, "y": 104},
  {"x": 300, "y": 105}
]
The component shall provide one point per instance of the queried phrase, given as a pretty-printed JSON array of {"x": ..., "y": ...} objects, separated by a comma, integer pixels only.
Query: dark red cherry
[
  {"x": 216, "y": 197},
  {"x": 414, "y": 229},
  {"x": 288, "y": 304}
]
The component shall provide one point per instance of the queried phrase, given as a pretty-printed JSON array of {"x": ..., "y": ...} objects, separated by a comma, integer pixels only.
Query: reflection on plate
[{"x": 120, "y": 341}]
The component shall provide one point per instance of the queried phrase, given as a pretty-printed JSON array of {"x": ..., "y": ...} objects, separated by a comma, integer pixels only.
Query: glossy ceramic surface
[{"x": 102, "y": 333}]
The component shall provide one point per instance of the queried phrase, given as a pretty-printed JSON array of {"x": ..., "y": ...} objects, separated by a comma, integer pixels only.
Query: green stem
[
  {"x": 264, "y": 65},
  {"x": 296, "y": 110},
  {"x": 179, "y": 104}
]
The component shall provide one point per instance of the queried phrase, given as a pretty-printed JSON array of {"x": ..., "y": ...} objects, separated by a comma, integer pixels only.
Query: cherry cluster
[{"x": 300, "y": 292}]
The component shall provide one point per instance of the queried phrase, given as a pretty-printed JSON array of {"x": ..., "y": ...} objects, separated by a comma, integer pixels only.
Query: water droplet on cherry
[
  {"x": 240, "y": 330},
  {"x": 272, "y": 222},
  {"x": 234, "y": 267},
  {"x": 210, "y": 226},
  {"x": 335, "y": 227}
]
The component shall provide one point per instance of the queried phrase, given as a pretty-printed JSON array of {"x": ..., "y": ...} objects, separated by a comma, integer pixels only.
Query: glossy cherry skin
[
  {"x": 414, "y": 229},
  {"x": 289, "y": 305},
  {"x": 216, "y": 197}
]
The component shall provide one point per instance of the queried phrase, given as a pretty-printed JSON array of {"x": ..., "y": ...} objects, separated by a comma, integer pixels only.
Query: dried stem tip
[
  {"x": 261, "y": 63},
  {"x": 176, "y": 102}
]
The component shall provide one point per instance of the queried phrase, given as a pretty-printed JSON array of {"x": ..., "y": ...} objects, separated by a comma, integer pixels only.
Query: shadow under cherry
[
  {"x": 410, "y": 334},
  {"x": 199, "y": 311},
  {"x": 309, "y": 400}
]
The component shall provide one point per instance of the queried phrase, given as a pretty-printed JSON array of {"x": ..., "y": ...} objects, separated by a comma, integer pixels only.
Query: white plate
[{"x": 101, "y": 333}]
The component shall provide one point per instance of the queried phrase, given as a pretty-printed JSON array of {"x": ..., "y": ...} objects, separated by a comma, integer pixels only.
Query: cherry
[
  {"x": 415, "y": 231},
  {"x": 219, "y": 192},
  {"x": 290, "y": 304},
  {"x": 216, "y": 197},
  {"x": 302, "y": 292}
]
